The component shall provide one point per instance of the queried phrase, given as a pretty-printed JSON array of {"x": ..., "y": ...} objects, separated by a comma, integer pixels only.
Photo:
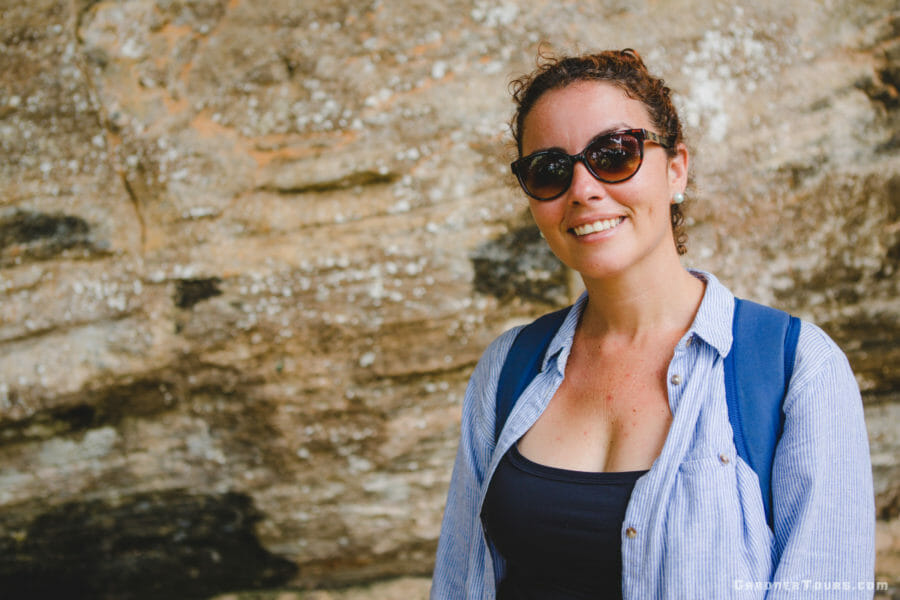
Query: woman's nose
[{"x": 585, "y": 187}]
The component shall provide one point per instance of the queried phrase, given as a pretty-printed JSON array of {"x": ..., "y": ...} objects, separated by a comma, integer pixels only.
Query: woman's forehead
[{"x": 570, "y": 116}]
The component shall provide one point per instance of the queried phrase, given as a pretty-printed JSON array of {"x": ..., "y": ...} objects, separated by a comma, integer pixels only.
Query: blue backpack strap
[
  {"x": 758, "y": 370},
  {"x": 523, "y": 363}
]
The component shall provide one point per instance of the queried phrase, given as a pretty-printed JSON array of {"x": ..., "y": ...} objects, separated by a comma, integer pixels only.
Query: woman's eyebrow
[{"x": 612, "y": 129}]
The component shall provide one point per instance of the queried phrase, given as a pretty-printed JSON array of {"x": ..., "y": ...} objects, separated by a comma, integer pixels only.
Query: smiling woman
[
  {"x": 620, "y": 176},
  {"x": 624, "y": 70},
  {"x": 618, "y": 472}
]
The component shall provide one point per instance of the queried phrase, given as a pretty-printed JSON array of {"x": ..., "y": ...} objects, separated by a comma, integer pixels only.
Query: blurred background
[{"x": 251, "y": 251}]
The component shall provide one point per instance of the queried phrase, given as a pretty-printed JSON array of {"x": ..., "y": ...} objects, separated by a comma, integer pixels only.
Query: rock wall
[{"x": 250, "y": 252}]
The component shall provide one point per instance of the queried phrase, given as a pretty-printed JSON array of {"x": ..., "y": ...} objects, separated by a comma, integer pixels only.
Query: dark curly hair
[{"x": 622, "y": 68}]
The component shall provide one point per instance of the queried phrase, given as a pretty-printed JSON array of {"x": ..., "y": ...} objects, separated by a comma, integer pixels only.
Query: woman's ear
[{"x": 678, "y": 169}]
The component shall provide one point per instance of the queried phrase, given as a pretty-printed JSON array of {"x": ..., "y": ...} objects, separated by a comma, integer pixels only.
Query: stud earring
[{"x": 678, "y": 198}]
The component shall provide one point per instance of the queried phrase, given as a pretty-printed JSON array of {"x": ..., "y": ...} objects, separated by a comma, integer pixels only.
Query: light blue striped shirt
[{"x": 697, "y": 523}]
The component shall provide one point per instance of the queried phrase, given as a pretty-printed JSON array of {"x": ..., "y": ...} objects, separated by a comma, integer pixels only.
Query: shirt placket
[{"x": 636, "y": 534}]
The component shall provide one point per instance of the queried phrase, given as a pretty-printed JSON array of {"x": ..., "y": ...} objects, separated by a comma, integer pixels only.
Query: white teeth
[{"x": 597, "y": 226}]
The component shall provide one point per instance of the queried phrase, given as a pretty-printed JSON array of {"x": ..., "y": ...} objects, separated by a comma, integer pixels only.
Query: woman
[{"x": 616, "y": 474}]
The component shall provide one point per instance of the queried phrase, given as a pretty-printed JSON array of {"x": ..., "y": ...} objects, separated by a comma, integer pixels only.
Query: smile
[{"x": 596, "y": 226}]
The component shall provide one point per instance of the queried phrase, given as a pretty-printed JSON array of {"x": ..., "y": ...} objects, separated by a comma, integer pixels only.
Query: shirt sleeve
[
  {"x": 461, "y": 555},
  {"x": 824, "y": 508}
]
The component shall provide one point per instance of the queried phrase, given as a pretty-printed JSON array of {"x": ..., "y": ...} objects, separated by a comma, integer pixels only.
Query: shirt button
[
  {"x": 724, "y": 458},
  {"x": 631, "y": 533},
  {"x": 689, "y": 341},
  {"x": 676, "y": 379}
]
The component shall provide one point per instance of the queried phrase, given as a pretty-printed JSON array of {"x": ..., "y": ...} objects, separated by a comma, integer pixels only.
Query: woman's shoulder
[
  {"x": 815, "y": 348},
  {"x": 541, "y": 331},
  {"x": 487, "y": 371},
  {"x": 814, "y": 340},
  {"x": 481, "y": 393},
  {"x": 820, "y": 366},
  {"x": 495, "y": 354}
]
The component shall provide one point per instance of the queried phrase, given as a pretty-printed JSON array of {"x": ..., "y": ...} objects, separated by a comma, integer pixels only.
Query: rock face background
[{"x": 250, "y": 252}]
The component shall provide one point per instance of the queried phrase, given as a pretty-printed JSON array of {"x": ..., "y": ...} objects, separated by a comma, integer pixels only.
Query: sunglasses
[{"x": 610, "y": 157}]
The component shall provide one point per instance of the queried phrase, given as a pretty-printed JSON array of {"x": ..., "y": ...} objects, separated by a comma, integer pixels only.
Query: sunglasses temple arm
[{"x": 662, "y": 141}]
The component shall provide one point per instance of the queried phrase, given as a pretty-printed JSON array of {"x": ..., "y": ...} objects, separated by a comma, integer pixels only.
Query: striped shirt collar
[{"x": 712, "y": 323}]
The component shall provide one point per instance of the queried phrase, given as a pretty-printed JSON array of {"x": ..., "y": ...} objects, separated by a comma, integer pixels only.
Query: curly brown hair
[{"x": 622, "y": 68}]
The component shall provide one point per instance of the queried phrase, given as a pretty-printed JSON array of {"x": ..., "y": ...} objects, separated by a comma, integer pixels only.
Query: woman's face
[{"x": 638, "y": 208}]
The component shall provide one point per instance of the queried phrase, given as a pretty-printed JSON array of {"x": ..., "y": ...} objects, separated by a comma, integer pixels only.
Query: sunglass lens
[
  {"x": 547, "y": 175},
  {"x": 614, "y": 157}
]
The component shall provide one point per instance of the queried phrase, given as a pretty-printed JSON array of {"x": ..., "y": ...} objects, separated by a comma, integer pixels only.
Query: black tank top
[{"x": 558, "y": 530}]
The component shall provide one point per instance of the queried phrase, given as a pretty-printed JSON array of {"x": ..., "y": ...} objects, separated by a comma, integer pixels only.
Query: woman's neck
[{"x": 634, "y": 306}]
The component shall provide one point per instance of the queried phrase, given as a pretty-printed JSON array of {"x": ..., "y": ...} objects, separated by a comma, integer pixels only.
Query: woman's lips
[{"x": 595, "y": 226}]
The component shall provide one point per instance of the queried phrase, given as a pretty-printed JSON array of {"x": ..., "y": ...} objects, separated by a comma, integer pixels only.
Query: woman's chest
[{"x": 608, "y": 414}]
